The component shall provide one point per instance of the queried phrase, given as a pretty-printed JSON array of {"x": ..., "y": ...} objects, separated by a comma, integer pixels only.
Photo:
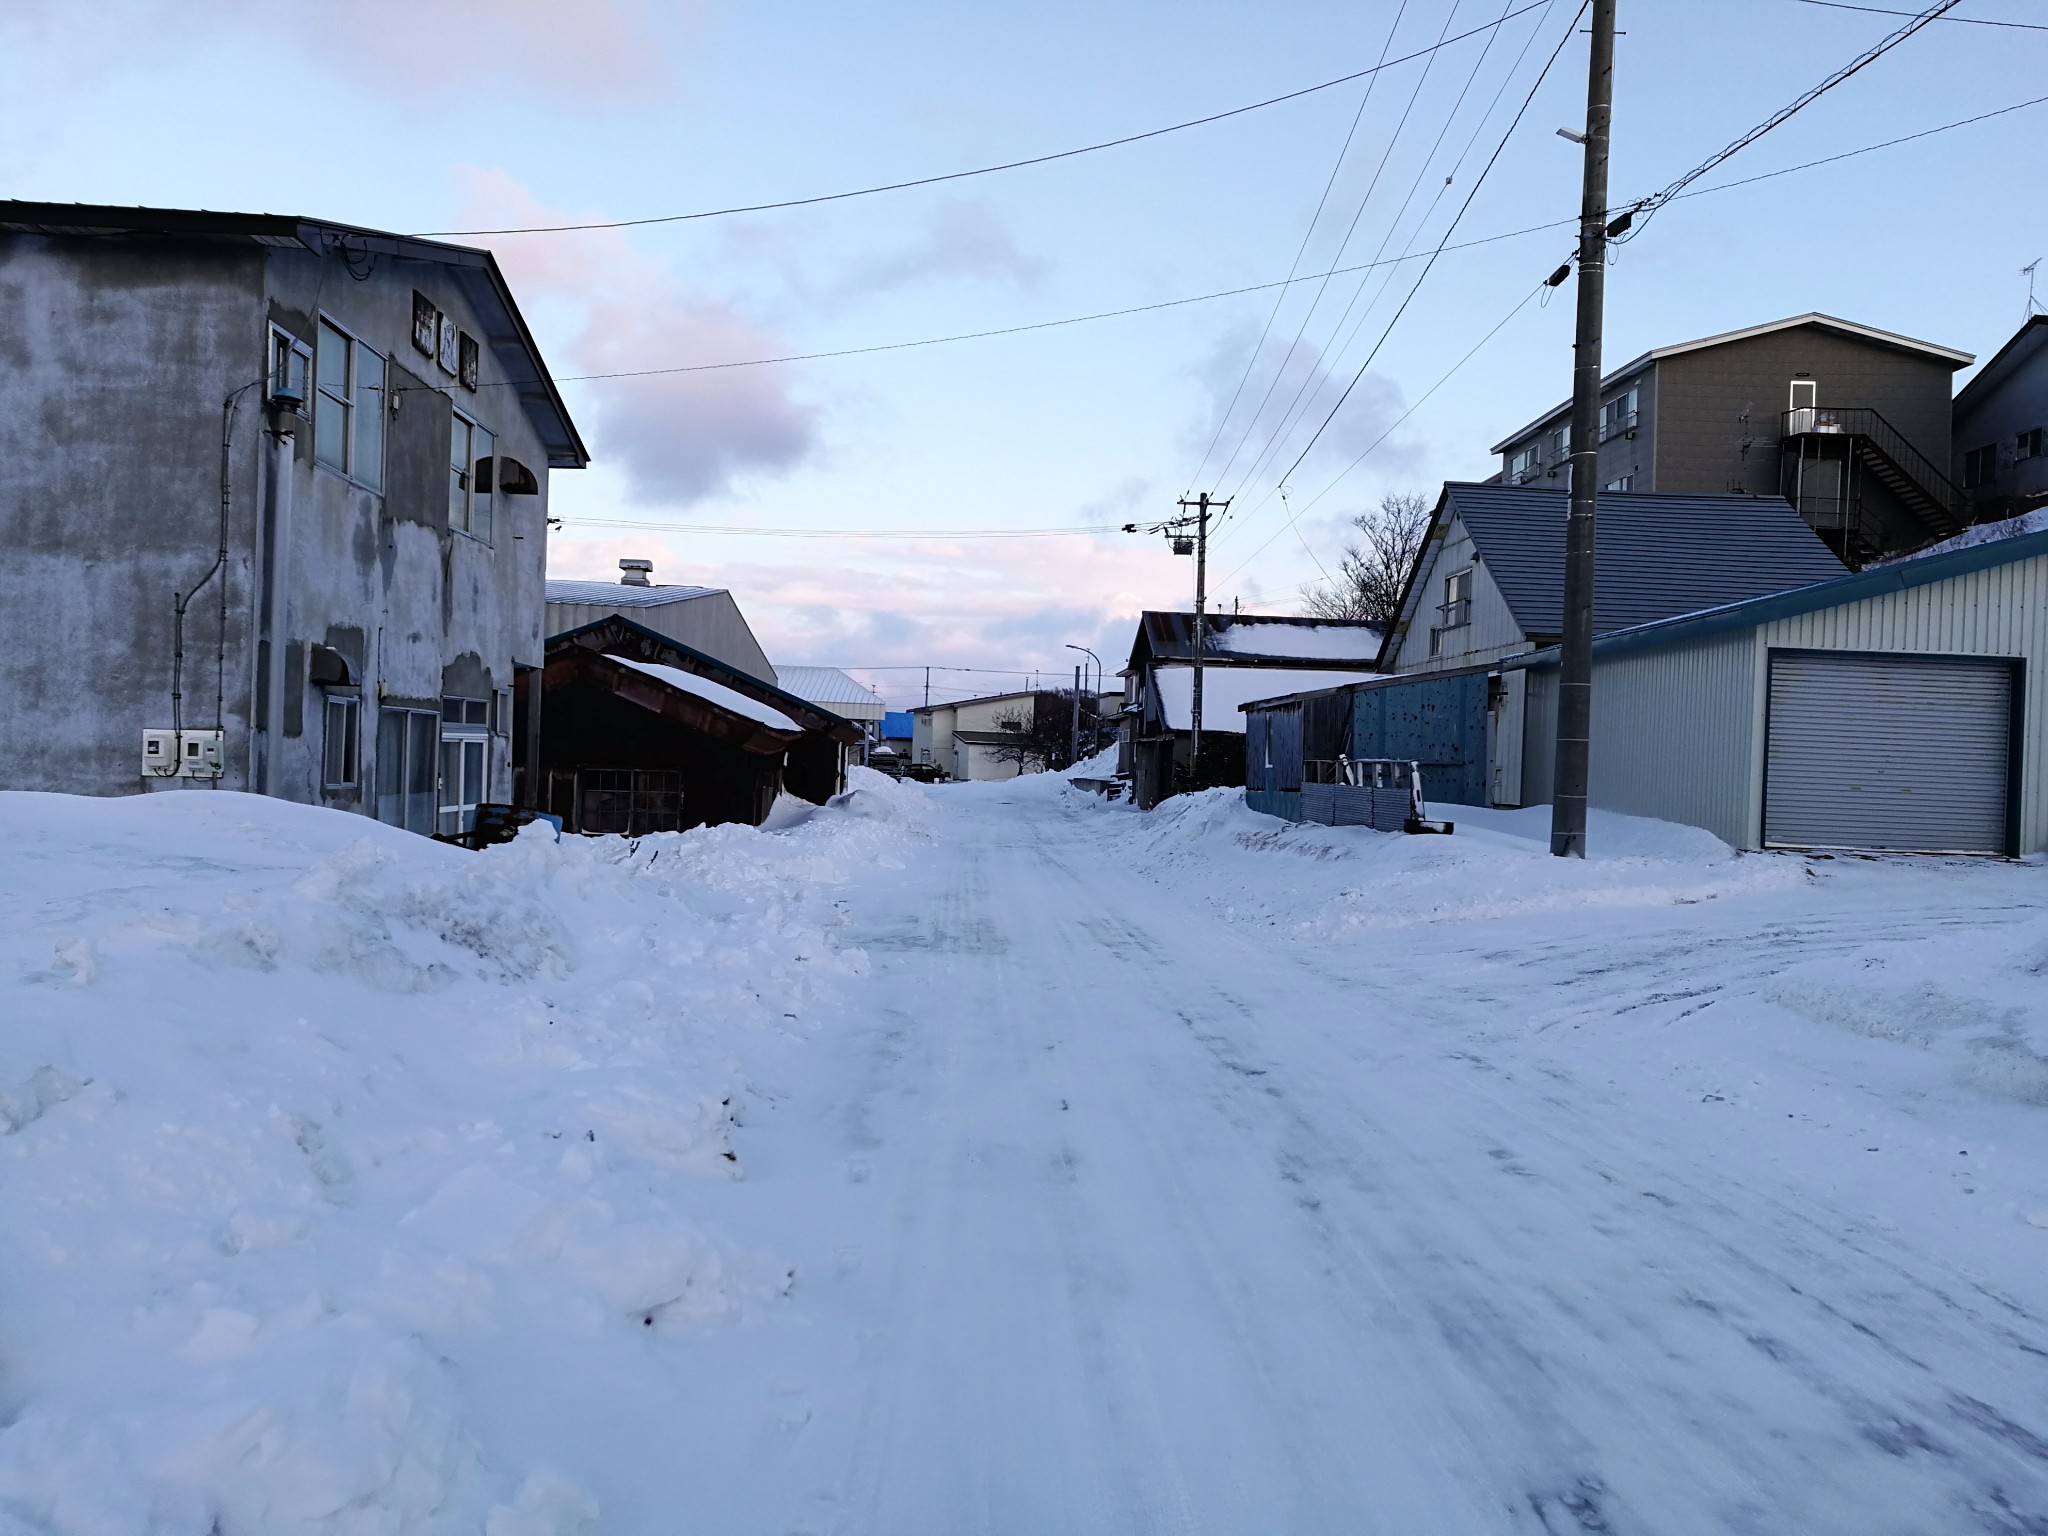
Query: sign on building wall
[
  {"x": 449, "y": 347},
  {"x": 426, "y": 324},
  {"x": 466, "y": 359}
]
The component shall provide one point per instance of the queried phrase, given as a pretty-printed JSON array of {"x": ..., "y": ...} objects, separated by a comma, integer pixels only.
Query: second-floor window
[
  {"x": 1457, "y": 608},
  {"x": 469, "y": 502},
  {"x": 348, "y": 407},
  {"x": 2031, "y": 444},
  {"x": 1560, "y": 445},
  {"x": 1980, "y": 466},
  {"x": 1618, "y": 415},
  {"x": 1522, "y": 463}
]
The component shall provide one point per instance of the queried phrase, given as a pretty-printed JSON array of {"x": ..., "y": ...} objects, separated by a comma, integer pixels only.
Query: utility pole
[
  {"x": 1202, "y": 506},
  {"x": 1575, "y": 655},
  {"x": 927, "y": 687},
  {"x": 1074, "y": 746}
]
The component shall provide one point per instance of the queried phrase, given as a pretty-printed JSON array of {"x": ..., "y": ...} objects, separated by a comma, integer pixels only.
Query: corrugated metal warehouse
[{"x": 1902, "y": 708}]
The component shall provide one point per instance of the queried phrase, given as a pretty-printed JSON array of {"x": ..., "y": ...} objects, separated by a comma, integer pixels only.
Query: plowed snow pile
[{"x": 305, "y": 1123}]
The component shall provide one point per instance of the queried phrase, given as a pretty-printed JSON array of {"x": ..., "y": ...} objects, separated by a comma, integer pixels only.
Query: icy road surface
[{"x": 1097, "y": 1173}]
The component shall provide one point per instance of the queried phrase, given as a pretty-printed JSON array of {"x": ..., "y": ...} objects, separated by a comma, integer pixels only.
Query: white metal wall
[
  {"x": 712, "y": 624},
  {"x": 2002, "y": 611},
  {"x": 1493, "y": 631},
  {"x": 1672, "y": 731}
]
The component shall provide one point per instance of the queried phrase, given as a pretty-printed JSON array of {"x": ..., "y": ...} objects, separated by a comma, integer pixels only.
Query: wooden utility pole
[
  {"x": 1575, "y": 656},
  {"x": 1203, "y": 506}
]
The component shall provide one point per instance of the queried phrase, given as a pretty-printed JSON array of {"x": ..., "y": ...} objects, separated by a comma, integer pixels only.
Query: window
[
  {"x": 1625, "y": 483},
  {"x": 465, "y": 762},
  {"x": 290, "y": 360},
  {"x": 348, "y": 412},
  {"x": 1980, "y": 466},
  {"x": 340, "y": 745},
  {"x": 469, "y": 496},
  {"x": 1522, "y": 463},
  {"x": 1560, "y": 445},
  {"x": 406, "y": 768},
  {"x": 2030, "y": 444},
  {"x": 1618, "y": 415},
  {"x": 629, "y": 800},
  {"x": 1457, "y": 605}
]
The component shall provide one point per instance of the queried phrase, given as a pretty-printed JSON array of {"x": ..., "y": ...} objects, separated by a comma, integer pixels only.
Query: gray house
[
  {"x": 706, "y": 619},
  {"x": 1848, "y": 422},
  {"x": 2001, "y": 428},
  {"x": 275, "y": 491}
]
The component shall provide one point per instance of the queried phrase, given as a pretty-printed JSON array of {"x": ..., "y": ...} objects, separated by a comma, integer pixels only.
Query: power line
[
  {"x": 1301, "y": 251},
  {"x": 1463, "y": 207},
  {"x": 1231, "y": 293},
  {"x": 839, "y": 533},
  {"x": 1648, "y": 206},
  {"x": 986, "y": 170},
  {"x": 1974, "y": 21}
]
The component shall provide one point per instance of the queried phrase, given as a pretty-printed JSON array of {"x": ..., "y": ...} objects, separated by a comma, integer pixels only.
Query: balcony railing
[{"x": 1455, "y": 614}]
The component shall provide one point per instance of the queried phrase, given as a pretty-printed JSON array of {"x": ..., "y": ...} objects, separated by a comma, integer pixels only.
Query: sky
[{"x": 425, "y": 116}]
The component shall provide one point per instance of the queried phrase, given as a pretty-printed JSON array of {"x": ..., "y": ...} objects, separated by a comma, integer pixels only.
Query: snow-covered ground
[{"x": 990, "y": 1158}]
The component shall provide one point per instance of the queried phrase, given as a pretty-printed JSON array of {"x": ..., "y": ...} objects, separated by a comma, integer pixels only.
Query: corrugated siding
[
  {"x": 1672, "y": 734},
  {"x": 1493, "y": 631},
  {"x": 2002, "y": 611},
  {"x": 1539, "y": 736},
  {"x": 1274, "y": 802}
]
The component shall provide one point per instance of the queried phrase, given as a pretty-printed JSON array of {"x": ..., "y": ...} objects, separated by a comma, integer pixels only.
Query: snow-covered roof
[
  {"x": 616, "y": 594},
  {"x": 825, "y": 685},
  {"x": 1226, "y": 689},
  {"x": 2035, "y": 521},
  {"x": 1309, "y": 642},
  {"x": 731, "y": 700}
]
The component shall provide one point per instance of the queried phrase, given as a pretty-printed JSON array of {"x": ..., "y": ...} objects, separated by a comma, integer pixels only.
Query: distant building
[
  {"x": 276, "y": 495},
  {"x": 1245, "y": 657},
  {"x": 1848, "y": 422},
  {"x": 975, "y": 738},
  {"x": 844, "y": 696},
  {"x": 706, "y": 619},
  {"x": 2001, "y": 428}
]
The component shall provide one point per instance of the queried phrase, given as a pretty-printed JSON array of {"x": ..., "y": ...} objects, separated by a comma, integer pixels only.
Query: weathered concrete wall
[
  {"x": 114, "y": 361},
  {"x": 115, "y": 356}
]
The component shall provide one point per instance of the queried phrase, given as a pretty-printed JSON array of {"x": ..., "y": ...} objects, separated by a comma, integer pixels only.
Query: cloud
[
  {"x": 959, "y": 239},
  {"x": 433, "y": 53},
  {"x": 680, "y": 437},
  {"x": 999, "y": 604},
  {"x": 1286, "y": 396}
]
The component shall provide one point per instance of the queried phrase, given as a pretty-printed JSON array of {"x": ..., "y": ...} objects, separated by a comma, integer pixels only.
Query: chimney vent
[{"x": 636, "y": 573}]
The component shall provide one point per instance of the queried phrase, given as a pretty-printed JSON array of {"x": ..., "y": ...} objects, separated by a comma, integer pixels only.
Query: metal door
[{"x": 1892, "y": 753}]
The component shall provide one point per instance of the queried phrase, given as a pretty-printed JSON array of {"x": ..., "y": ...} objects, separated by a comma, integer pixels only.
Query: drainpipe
[{"x": 284, "y": 426}]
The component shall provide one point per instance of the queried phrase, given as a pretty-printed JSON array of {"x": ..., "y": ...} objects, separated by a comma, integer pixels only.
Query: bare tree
[
  {"x": 1038, "y": 736},
  {"x": 1374, "y": 569}
]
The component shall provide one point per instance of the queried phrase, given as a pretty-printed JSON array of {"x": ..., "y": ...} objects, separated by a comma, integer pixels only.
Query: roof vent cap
[{"x": 636, "y": 573}]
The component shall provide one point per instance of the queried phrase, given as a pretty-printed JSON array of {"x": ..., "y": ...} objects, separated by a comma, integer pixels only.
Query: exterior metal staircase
[{"x": 1862, "y": 442}]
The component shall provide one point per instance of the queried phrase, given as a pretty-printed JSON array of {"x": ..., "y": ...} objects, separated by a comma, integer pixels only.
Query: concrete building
[
  {"x": 705, "y": 619},
  {"x": 2001, "y": 428},
  {"x": 1848, "y": 422},
  {"x": 276, "y": 496},
  {"x": 1901, "y": 708}
]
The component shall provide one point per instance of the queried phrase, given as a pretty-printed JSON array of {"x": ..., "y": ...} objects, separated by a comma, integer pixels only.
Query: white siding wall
[
  {"x": 2002, "y": 611},
  {"x": 712, "y": 624},
  {"x": 1493, "y": 632}
]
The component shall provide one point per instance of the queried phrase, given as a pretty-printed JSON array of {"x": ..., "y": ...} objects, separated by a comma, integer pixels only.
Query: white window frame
[
  {"x": 290, "y": 366},
  {"x": 351, "y": 405},
  {"x": 469, "y": 735},
  {"x": 348, "y": 704},
  {"x": 1524, "y": 462},
  {"x": 465, "y": 521},
  {"x": 1619, "y": 415}
]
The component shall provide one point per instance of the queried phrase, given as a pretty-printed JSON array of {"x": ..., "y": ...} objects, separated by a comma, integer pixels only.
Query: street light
[{"x": 1095, "y": 729}]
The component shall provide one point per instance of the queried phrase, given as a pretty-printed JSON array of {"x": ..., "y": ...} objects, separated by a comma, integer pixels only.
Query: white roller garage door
[{"x": 1890, "y": 752}]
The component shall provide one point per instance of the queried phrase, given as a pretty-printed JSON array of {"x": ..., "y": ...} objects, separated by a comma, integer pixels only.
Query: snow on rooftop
[
  {"x": 2035, "y": 521},
  {"x": 616, "y": 594},
  {"x": 1225, "y": 689},
  {"x": 1309, "y": 642},
  {"x": 731, "y": 700}
]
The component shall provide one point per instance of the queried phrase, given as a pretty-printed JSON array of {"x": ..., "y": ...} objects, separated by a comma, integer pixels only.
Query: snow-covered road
[{"x": 991, "y": 1161}]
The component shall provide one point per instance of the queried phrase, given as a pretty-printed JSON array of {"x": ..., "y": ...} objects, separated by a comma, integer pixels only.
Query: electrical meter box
[{"x": 200, "y": 757}]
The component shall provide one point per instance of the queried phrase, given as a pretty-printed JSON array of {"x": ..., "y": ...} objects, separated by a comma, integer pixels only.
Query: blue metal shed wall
[{"x": 1440, "y": 722}]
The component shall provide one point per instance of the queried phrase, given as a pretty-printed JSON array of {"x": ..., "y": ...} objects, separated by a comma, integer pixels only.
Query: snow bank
[
  {"x": 325, "y": 1149},
  {"x": 1316, "y": 881}
]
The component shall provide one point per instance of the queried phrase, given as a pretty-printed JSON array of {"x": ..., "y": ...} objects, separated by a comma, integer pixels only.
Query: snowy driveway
[{"x": 1171, "y": 1222}]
